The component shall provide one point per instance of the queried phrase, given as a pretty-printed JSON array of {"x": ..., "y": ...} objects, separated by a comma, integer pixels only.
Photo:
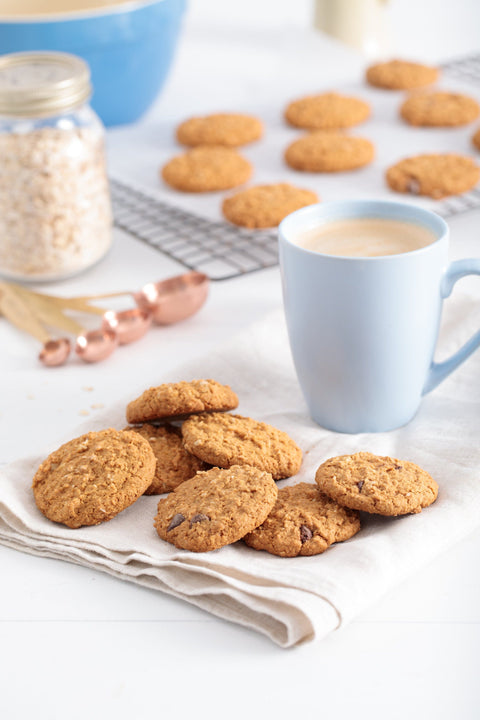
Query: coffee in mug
[
  {"x": 365, "y": 237},
  {"x": 363, "y": 318}
]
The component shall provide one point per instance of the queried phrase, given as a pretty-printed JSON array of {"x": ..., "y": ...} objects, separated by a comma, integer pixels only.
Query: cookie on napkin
[
  {"x": 376, "y": 484},
  {"x": 175, "y": 400},
  {"x": 92, "y": 478},
  {"x": 215, "y": 508},
  {"x": 224, "y": 440},
  {"x": 303, "y": 521},
  {"x": 174, "y": 463}
]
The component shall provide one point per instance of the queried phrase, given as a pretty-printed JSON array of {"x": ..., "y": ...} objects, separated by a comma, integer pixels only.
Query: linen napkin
[{"x": 288, "y": 599}]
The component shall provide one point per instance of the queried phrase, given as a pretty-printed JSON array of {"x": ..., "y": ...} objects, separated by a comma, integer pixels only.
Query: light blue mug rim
[
  {"x": 431, "y": 220},
  {"x": 126, "y": 6}
]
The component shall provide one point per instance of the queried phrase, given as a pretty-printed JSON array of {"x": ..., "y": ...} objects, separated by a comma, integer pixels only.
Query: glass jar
[{"x": 55, "y": 212}]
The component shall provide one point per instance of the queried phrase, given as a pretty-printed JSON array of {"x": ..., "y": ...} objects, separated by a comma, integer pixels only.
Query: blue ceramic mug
[{"x": 363, "y": 330}]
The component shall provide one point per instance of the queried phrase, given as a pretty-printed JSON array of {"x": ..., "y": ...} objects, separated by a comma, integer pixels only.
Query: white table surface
[{"x": 76, "y": 643}]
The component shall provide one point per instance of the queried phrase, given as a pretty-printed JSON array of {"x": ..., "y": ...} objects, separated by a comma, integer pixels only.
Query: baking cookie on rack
[
  {"x": 215, "y": 508},
  {"x": 174, "y": 463},
  {"x": 328, "y": 111},
  {"x": 321, "y": 151},
  {"x": 439, "y": 109},
  {"x": 228, "y": 129},
  {"x": 207, "y": 169},
  {"x": 435, "y": 175},
  {"x": 375, "y": 484},
  {"x": 264, "y": 206},
  {"x": 303, "y": 521},
  {"x": 175, "y": 400},
  {"x": 401, "y": 75},
  {"x": 92, "y": 478},
  {"x": 225, "y": 440}
]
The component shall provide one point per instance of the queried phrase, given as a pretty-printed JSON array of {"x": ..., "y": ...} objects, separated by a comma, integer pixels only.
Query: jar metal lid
[{"x": 40, "y": 84}]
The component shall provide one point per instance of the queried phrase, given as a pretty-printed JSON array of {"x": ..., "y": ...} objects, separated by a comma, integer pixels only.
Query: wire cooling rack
[
  {"x": 223, "y": 251},
  {"x": 219, "y": 250}
]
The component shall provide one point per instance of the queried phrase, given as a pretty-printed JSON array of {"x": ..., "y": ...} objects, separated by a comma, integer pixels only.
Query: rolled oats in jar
[{"x": 55, "y": 213}]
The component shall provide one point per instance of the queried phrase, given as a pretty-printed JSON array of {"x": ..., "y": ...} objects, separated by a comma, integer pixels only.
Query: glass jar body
[{"x": 55, "y": 212}]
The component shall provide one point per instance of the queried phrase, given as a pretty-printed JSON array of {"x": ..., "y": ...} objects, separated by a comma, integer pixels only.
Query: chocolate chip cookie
[
  {"x": 435, "y": 175},
  {"x": 92, "y": 478},
  {"x": 303, "y": 521},
  {"x": 226, "y": 440},
  {"x": 215, "y": 508},
  {"x": 376, "y": 484}
]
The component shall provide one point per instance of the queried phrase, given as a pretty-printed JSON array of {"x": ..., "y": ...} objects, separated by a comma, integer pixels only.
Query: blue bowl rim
[{"x": 125, "y": 6}]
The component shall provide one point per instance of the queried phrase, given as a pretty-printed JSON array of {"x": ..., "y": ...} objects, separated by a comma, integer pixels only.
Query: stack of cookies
[
  {"x": 213, "y": 162},
  {"x": 220, "y": 473}
]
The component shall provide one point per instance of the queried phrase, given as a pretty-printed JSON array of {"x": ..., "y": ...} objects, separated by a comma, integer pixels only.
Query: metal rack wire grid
[
  {"x": 219, "y": 250},
  {"x": 223, "y": 251}
]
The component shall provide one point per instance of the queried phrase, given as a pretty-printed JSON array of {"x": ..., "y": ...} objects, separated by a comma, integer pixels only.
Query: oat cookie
[
  {"x": 435, "y": 175},
  {"x": 228, "y": 129},
  {"x": 174, "y": 463},
  {"x": 92, "y": 478},
  {"x": 439, "y": 109},
  {"x": 264, "y": 206},
  {"x": 174, "y": 400},
  {"x": 207, "y": 169},
  {"x": 322, "y": 151},
  {"x": 476, "y": 139},
  {"x": 401, "y": 75},
  {"x": 303, "y": 521},
  {"x": 381, "y": 485},
  {"x": 226, "y": 440},
  {"x": 215, "y": 508},
  {"x": 328, "y": 111}
]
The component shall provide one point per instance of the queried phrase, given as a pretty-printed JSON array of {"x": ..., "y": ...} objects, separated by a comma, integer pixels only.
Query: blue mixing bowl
[{"x": 129, "y": 47}]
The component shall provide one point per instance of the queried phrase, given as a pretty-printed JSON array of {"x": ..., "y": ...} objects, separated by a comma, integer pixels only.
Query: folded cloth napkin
[{"x": 289, "y": 599}]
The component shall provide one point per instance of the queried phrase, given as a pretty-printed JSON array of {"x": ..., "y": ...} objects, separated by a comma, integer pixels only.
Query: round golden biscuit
[
  {"x": 227, "y": 129},
  {"x": 328, "y": 111},
  {"x": 174, "y": 464},
  {"x": 401, "y": 75},
  {"x": 434, "y": 175},
  {"x": 321, "y": 151},
  {"x": 439, "y": 109},
  {"x": 223, "y": 439},
  {"x": 476, "y": 139},
  {"x": 303, "y": 521},
  {"x": 175, "y": 400},
  {"x": 376, "y": 484},
  {"x": 207, "y": 169},
  {"x": 92, "y": 478},
  {"x": 215, "y": 508},
  {"x": 264, "y": 206}
]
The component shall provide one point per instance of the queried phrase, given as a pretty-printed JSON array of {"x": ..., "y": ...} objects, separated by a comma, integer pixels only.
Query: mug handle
[{"x": 439, "y": 371}]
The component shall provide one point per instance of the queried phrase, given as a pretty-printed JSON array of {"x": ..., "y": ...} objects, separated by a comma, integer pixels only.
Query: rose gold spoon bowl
[
  {"x": 174, "y": 299},
  {"x": 130, "y": 325},
  {"x": 96, "y": 345},
  {"x": 55, "y": 352}
]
